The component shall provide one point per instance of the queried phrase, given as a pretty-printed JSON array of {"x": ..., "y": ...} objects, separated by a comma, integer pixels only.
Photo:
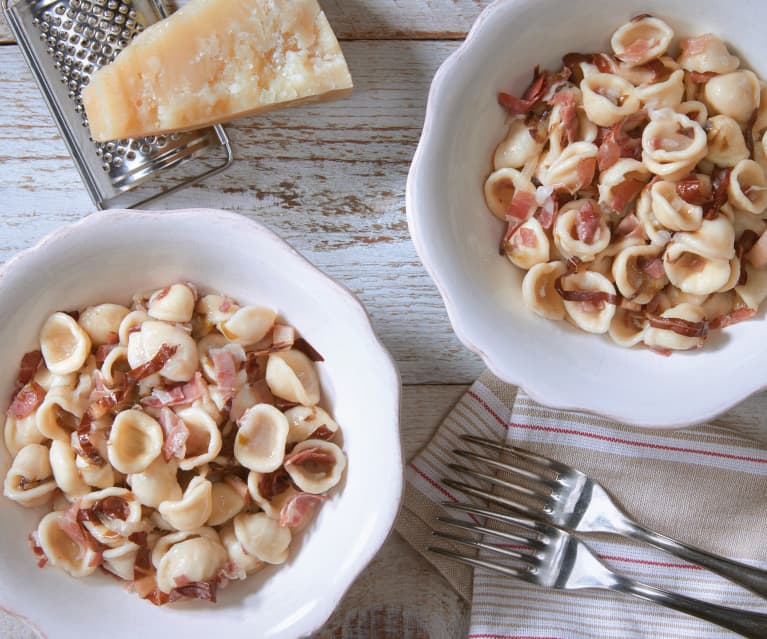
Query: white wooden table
[{"x": 330, "y": 179}]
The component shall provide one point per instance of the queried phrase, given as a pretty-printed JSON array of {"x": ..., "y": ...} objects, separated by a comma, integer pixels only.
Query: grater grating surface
[{"x": 65, "y": 42}]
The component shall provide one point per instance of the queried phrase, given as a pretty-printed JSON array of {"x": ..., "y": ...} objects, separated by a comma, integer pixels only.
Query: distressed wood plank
[
  {"x": 384, "y": 19},
  {"x": 400, "y": 595},
  {"x": 329, "y": 178}
]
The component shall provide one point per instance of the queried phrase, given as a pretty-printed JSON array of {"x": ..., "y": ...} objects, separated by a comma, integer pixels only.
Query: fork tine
[
  {"x": 520, "y": 452},
  {"x": 522, "y": 522},
  {"x": 501, "y": 534},
  {"x": 481, "y": 563},
  {"x": 499, "y": 482},
  {"x": 504, "y": 466},
  {"x": 496, "y": 499},
  {"x": 531, "y": 560}
]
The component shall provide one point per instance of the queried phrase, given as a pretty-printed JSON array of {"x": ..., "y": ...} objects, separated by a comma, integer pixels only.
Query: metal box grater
[{"x": 64, "y": 42}]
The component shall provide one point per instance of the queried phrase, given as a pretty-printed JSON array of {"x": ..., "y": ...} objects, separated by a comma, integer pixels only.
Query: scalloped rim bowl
[
  {"x": 456, "y": 237},
  {"x": 107, "y": 257}
]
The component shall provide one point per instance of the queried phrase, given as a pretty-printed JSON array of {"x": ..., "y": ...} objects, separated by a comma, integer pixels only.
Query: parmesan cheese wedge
[{"x": 215, "y": 60}]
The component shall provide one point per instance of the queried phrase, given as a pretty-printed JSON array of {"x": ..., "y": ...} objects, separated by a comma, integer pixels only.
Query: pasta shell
[
  {"x": 666, "y": 339},
  {"x": 67, "y": 476},
  {"x": 566, "y": 170},
  {"x": 204, "y": 441},
  {"x": 262, "y": 537},
  {"x": 616, "y": 176},
  {"x": 694, "y": 273},
  {"x": 64, "y": 344},
  {"x": 121, "y": 560},
  {"x": 539, "y": 293},
  {"x": 315, "y": 465},
  {"x": 668, "y": 93},
  {"x": 193, "y": 509},
  {"x": 696, "y": 111},
  {"x": 754, "y": 291},
  {"x": 48, "y": 380},
  {"x": 226, "y": 503},
  {"x": 113, "y": 530},
  {"x": 58, "y": 415},
  {"x": 156, "y": 484},
  {"x": 96, "y": 475},
  {"x": 726, "y": 144},
  {"x": 131, "y": 323},
  {"x": 166, "y": 542},
  {"x": 291, "y": 375},
  {"x": 216, "y": 308},
  {"x": 735, "y": 94},
  {"x": 517, "y": 148},
  {"x": 29, "y": 481},
  {"x": 713, "y": 238},
  {"x": 115, "y": 361},
  {"x": 626, "y": 328},
  {"x": 585, "y": 315},
  {"x": 566, "y": 237},
  {"x": 304, "y": 420},
  {"x": 672, "y": 144},
  {"x": 641, "y": 40},
  {"x": 144, "y": 345},
  {"x": 190, "y": 561},
  {"x": 672, "y": 211},
  {"x": 135, "y": 441},
  {"x": 655, "y": 231},
  {"x": 173, "y": 303},
  {"x": 633, "y": 282},
  {"x": 707, "y": 54},
  {"x": 17, "y": 433},
  {"x": 747, "y": 189},
  {"x": 261, "y": 438},
  {"x": 500, "y": 187},
  {"x": 245, "y": 563},
  {"x": 528, "y": 245},
  {"x": 102, "y": 322},
  {"x": 248, "y": 325},
  {"x": 608, "y": 99},
  {"x": 61, "y": 550},
  {"x": 273, "y": 504}
]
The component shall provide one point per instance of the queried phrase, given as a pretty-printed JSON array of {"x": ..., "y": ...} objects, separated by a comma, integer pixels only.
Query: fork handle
[
  {"x": 744, "y": 622},
  {"x": 747, "y": 576}
]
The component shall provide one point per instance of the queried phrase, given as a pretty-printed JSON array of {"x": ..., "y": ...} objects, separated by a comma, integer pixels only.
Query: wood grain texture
[
  {"x": 384, "y": 19},
  {"x": 328, "y": 178},
  {"x": 400, "y": 595}
]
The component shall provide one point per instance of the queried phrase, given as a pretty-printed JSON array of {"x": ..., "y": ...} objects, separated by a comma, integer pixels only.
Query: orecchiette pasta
[
  {"x": 634, "y": 189},
  {"x": 178, "y": 442}
]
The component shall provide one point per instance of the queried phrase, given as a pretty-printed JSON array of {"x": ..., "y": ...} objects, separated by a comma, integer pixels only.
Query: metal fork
[
  {"x": 574, "y": 501},
  {"x": 556, "y": 559}
]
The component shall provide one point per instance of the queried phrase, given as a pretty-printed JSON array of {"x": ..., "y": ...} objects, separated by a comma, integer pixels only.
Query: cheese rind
[{"x": 216, "y": 60}]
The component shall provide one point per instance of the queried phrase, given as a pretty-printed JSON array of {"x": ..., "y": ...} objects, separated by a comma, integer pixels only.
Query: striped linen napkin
[{"x": 705, "y": 485}]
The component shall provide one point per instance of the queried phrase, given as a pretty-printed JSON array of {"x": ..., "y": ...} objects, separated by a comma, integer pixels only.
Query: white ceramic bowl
[
  {"x": 111, "y": 255},
  {"x": 457, "y": 238}
]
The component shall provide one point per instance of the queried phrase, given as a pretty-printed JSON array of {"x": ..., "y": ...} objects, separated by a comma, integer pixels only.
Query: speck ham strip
[
  {"x": 176, "y": 433},
  {"x": 307, "y": 349},
  {"x": 594, "y": 297},
  {"x": 274, "y": 483},
  {"x": 690, "y": 189},
  {"x": 205, "y": 590},
  {"x": 87, "y": 449},
  {"x": 298, "y": 507},
  {"x": 733, "y": 317},
  {"x": 154, "y": 365},
  {"x": 29, "y": 364},
  {"x": 26, "y": 400},
  {"x": 679, "y": 326}
]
